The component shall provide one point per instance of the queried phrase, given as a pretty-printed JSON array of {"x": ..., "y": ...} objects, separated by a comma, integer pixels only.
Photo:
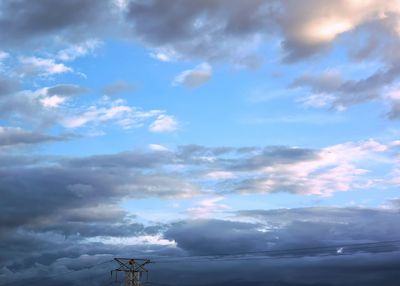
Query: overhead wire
[
  {"x": 382, "y": 246},
  {"x": 337, "y": 250}
]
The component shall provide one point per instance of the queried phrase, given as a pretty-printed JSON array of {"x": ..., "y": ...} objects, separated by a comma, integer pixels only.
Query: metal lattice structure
[{"x": 133, "y": 269}]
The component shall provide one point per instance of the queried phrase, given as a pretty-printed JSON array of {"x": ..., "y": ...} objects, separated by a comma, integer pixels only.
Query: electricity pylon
[{"x": 133, "y": 268}]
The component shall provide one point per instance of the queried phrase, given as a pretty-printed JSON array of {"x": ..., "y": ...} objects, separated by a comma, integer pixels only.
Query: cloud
[
  {"x": 41, "y": 253},
  {"x": 158, "y": 147},
  {"x": 163, "y": 57},
  {"x": 114, "y": 111},
  {"x": 71, "y": 207},
  {"x": 194, "y": 77},
  {"x": 55, "y": 96},
  {"x": 15, "y": 136},
  {"x": 164, "y": 123},
  {"x": 43, "y": 23},
  {"x": 290, "y": 229},
  {"x": 393, "y": 100},
  {"x": 33, "y": 66},
  {"x": 208, "y": 30},
  {"x": 124, "y": 160},
  {"x": 26, "y": 107},
  {"x": 38, "y": 108},
  {"x": 3, "y": 55},
  {"x": 55, "y": 187},
  {"x": 321, "y": 172},
  {"x": 88, "y": 181},
  {"x": 307, "y": 33},
  {"x": 204, "y": 30},
  {"x": 284, "y": 229},
  {"x": 219, "y": 175},
  {"x": 94, "y": 114},
  {"x": 206, "y": 207},
  {"x": 45, "y": 107},
  {"x": 7, "y": 86},
  {"x": 330, "y": 90},
  {"x": 79, "y": 50},
  {"x": 65, "y": 90},
  {"x": 118, "y": 87},
  {"x": 275, "y": 155}
]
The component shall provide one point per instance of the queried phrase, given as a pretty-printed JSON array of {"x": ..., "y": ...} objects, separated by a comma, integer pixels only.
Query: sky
[{"x": 189, "y": 128}]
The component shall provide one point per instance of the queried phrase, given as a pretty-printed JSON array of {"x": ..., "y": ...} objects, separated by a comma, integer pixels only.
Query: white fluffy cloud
[
  {"x": 207, "y": 207},
  {"x": 34, "y": 66},
  {"x": 158, "y": 147},
  {"x": 194, "y": 77},
  {"x": 4, "y": 55},
  {"x": 79, "y": 50},
  {"x": 120, "y": 113},
  {"x": 164, "y": 123},
  {"x": 336, "y": 168},
  {"x": 94, "y": 114}
]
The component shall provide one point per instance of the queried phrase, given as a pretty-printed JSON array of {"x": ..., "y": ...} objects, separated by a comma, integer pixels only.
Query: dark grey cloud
[
  {"x": 242, "y": 159},
  {"x": 287, "y": 229},
  {"x": 290, "y": 229},
  {"x": 37, "y": 255},
  {"x": 66, "y": 90},
  {"x": 326, "y": 82},
  {"x": 7, "y": 86},
  {"x": 54, "y": 188},
  {"x": 25, "y": 23},
  {"x": 49, "y": 191},
  {"x": 216, "y": 236},
  {"x": 27, "y": 108},
  {"x": 395, "y": 202},
  {"x": 345, "y": 93},
  {"x": 88, "y": 229},
  {"x": 375, "y": 39},
  {"x": 394, "y": 112},
  {"x": 34, "y": 253},
  {"x": 124, "y": 160},
  {"x": 206, "y": 29},
  {"x": 119, "y": 87},
  {"x": 13, "y": 136},
  {"x": 70, "y": 215},
  {"x": 332, "y": 224},
  {"x": 200, "y": 29},
  {"x": 12, "y": 160},
  {"x": 358, "y": 91},
  {"x": 275, "y": 155}
]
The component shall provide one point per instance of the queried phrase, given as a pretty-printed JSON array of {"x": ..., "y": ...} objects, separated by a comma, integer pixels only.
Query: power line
[
  {"x": 382, "y": 246},
  {"x": 320, "y": 251}
]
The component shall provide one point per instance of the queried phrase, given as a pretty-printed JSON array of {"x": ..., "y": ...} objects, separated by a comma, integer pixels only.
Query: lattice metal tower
[{"x": 133, "y": 268}]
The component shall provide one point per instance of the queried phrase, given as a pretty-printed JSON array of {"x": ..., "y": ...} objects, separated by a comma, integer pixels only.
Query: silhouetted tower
[{"x": 133, "y": 268}]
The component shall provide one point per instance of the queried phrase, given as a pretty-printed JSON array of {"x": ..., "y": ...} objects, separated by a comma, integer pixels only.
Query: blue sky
[
  {"x": 143, "y": 123},
  {"x": 233, "y": 107}
]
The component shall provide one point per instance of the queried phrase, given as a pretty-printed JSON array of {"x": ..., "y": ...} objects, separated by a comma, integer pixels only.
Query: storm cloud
[
  {"x": 271, "y": 230},
  {"x": 10, "y": 136}
]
